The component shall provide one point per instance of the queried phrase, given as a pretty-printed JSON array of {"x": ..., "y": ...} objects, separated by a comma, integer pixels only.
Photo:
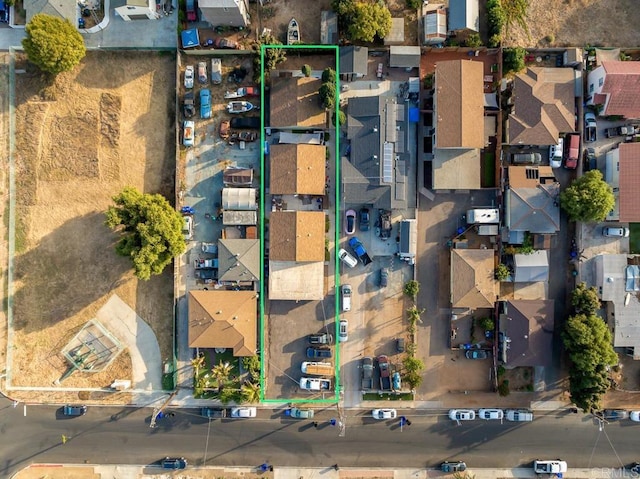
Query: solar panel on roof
[{"x": 387, "y": 163}]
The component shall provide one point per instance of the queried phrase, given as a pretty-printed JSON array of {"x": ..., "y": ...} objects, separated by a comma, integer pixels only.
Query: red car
[{"x": 191, "y": 11}]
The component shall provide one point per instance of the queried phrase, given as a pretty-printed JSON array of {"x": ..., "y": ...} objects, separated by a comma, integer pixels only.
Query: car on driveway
[
  {"x": 188, "y": 77},
  {"x": 313, "y": 353},
  {"x": 74, "y": 410},
  {"x": 202, "y": 72},
  {"x": 350, "y": 222},
  {"x": 634, "y": 416},
  {"x": 173, "y": 463},
  {"x": 347, "y": 258},
  {"x": 462, "y": 414},
  {"x": 187, "y": 227},
  {"x": 615, "y": 232},
  {"x": 382, "y": 414},
  {"x": 590, "y": 128},
  {"x": 476, "y": 354},
  {"x": 343, "y": 335},
  {"x": 189, "y": 134},
  {"x": 590, "y": 160},
  {"x": 614, "y": 414},
  {"x": 453, "y": 466},
  {"x": 365, "y": 219},
  {"x": 346, "y": 297},
  {"x": 491, "y": 414},
  {"x": 384, "y": 277},
  {"x": 243, "y": 412}
]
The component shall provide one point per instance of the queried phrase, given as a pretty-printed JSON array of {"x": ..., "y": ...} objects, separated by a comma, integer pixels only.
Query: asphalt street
[{"x": 117, "y": 436}]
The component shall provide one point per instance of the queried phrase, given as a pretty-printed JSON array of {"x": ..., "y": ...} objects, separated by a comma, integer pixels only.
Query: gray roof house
[
  {"x": 464, "y": 15},
  {"x": 376, "y": 172},
  {"x": 404, "y": 57},
  {"x": 353, "y": 62},
  {"x": 531, "y": 268},
  {"x": 238, "y": 260},
  {"x": 232, "y": 13},
  {"x": 56, "y": 8},
  {"x": 531, "y": 201}
]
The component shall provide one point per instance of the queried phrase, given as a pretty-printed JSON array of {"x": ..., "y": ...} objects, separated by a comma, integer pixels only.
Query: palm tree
[
  {"x": 250, "y": 392},
  {"x": 197, "y": 364},
  {"x": 221, "y": 373}
]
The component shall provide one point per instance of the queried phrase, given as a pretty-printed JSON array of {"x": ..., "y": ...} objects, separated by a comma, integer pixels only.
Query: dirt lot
[
  {"x": 579, "y": 22},
  {"x": 277, "y": 14},
  {"x": 80, "y": 139}
]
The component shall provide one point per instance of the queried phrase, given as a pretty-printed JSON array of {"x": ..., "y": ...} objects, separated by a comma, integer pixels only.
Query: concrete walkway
[{"x": 57, "y": 471}]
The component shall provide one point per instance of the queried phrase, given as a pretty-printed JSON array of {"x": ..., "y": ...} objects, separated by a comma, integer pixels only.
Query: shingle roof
[
  {"x": 224, "y": 319},
  {"x": 473, "y": 283},
  {"x": 544, "y": 104},
  {"x": 297, "y": 169},
  {"x": 459, "y": 104},
  {"x": 353, "y": 59},
  {"x": 296, "y": 236},
  {"x": 629, "y": 182},
  {"x": 65, "y": 9},
  {"x": 295, "y": 102},
  {"x": 621, "y": 85},
  {"x": 529, "y": 325},
  {"x": 532, "y": 200},
  {"x": 238, "y": 260}
]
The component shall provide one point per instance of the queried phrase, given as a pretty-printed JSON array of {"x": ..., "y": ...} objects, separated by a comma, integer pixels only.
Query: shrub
[
  {"x": 487, "y": 324},
  {"x": 513, "y": 59},
  {"x": 502, "y": 272},
  {"x": 306, "y": 70},
  {"x": 411, "y": 288},
  {"x": 503, "y": 388},
  {"x": 342, "y": 119},
  {"x": 328, "y": 75},
  {"x": 473, "y": 40},
  {"x": 414, "y": 4}
]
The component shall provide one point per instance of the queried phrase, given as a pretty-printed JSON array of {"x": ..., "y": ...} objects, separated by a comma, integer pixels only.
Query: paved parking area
[{"x": 287, "y": 325}]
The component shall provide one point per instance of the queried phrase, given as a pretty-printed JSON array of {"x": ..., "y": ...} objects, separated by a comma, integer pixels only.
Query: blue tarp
[
  {"x": 2, "y": 6},
  {"x": 190, "y": 38},
  {"x": 414, "y": 115}
]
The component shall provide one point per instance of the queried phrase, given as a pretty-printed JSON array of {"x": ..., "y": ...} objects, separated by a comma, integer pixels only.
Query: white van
[
  {"x": 346, "y": 297},
  {"x": 555, "y": 154},
  {"x": 483, "y": 215},
  {"x": 519, "y": 415},
  {"x": 347, "y": 259}
]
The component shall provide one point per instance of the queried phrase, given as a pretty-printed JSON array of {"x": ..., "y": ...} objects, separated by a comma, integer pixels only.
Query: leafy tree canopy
[
  {"x": 328, "y": 75},
  {"x": 585, "y": 300},
  {"x": 327, "y": 94},
  {"x": 53, "y": 44},
  {"x": 513, "y": 59},
  {"x": 369, "y": 20},
  {"x": 151, "y": 230},
  {"x": 589, "y": 198}
]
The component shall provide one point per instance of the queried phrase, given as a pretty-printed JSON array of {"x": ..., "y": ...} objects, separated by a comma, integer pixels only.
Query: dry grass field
[{"x": 79, "y": 140}]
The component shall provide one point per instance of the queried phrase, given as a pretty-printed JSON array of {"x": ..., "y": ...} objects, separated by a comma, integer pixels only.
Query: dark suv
[
  {"x": 74, "y": 411},
  {"x": 314, "y": 353},
  {"x": 173, "y": 463}
]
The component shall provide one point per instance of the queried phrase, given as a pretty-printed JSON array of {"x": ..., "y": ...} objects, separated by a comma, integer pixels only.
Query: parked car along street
[
  {"x": 462, "y": 414},
  {"x": 243, "y": 412},
  {"x": 350, "y": 222},
  {"x": 382, "y": 414}
]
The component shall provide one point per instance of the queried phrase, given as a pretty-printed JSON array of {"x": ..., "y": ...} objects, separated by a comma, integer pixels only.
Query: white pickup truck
[
  {"x": 206, "y": 263},
  {"x": 315, "y": 384}
]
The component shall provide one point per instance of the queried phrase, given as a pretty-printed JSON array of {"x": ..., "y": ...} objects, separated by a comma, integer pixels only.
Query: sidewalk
[{"x": 58, "y": 471}]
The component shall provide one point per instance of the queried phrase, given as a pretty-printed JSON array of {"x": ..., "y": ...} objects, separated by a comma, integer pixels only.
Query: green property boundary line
[{"x": 336, "y": 134}]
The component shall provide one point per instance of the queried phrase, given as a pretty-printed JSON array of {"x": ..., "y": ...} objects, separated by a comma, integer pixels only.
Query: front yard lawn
[{"x": 634, "y": 238}]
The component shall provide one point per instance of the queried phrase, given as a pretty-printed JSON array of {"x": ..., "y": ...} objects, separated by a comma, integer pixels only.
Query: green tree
[
  {"x": 250, "y": 392},
  {"x": 53, "y": 44},
  {"x": 328, "y": 75},
  {"x": 342, "y": 118},
  {"x": 589, "y": 198},
  {"x": 226, "y": 395},
  {"x": 369, "y": 20},
  {"x": 413, "y": 367},
  {"x": 221, "y": 373},
  {"x": 150, "y": 230},
  {"x": 584, "y": 299},
  {"x": 513, "y": 59},
  {"x": 495, "y": 19},
  {"x": 328, "y": 95},
  {"x": 344, "y": 11},
  {"x": 306, "y": 70},
  {"x": 414, "y": 4},
  {"x": 411, "y": 288},
  {"x": 272, "y": 56},
  {"x": 502, "y": 272},
  {"x": 473, "y": 40},
  {"x": 197, "y": 364}
]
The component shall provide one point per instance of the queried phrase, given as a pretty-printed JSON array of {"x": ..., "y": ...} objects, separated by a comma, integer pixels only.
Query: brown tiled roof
[
  {"x": 530, "y": 328},
  {"x": 473, "y": 283},
  {"x": 224, "y": 319},
  {"x": 460, "y": 104},
  {"x": 621, "y": 85},
  {"x": 296, "y": 236},
  {"x": 295, "y": 101},
  {"x": 544, "y": 104},
  {"x": 629, "y": 182},
  {"x": 297, "y": 169}
]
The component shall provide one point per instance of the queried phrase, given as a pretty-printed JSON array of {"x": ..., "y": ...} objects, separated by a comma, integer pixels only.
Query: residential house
[
  {"x": 376, "y": 171},
  {"x": 404, "y": 57},
  {"x": 297, "y": 169},
  {"x": 458, "y": 106},
  {"x": 531, "y": 202},
  {"x": 239, "y": 199},
  {"x": 464, "y": 16},
  {"x": 614, "y": 86},
  {"x": 473, "y": 281},
  {"x": 543, "y": 106},
  {"x": 434, "y": 25},
  {"x": 531, "y": 268},
  {"x": 526, "y": 328},
  {"x": 138, "y": 10},
  {"x": 296, "y": 255},
  {"x": 618, "y": 285},
  {"x": 60, "y": 9},
  {"x": 396, "y": 34},
  {"x": 353, "y": 62},
  {"x": 238, "y": 261},
  {"x": 229, "y": 13},
  {"x": 629, "y": 178},
  {"x": 295, "y": 103},
  {"x": 224, "y": 319}
]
